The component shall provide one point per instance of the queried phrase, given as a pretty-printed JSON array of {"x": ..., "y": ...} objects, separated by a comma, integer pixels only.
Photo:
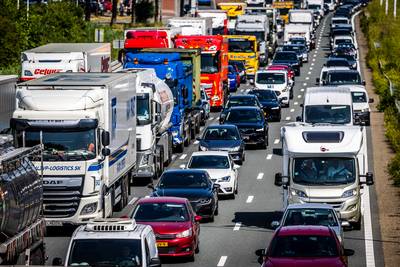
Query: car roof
[
  {"x": 240, "y": 96},
  {"x": 304, "y": 230},
  {"x": 272, "y": 71},
  {"x": 188, "y": 171},
  {"x": 244, "y": 108},
  {"x": 222, "y": 126},
  {"x": 210, "y": 153},
  {"x": 162, "y": 200},
  {"x": 309, "y": 206}
]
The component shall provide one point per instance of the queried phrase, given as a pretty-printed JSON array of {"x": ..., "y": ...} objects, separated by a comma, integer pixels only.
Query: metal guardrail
[{"x": 392, "y": 88}]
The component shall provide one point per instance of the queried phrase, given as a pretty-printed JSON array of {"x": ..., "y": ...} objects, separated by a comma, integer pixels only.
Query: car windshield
[
  {"x": 243, "y": 116},
  {"x": 270, "y": 78},
  {"x": 345, "y": 56},
  {"x": 285, "y": 56},
  {"x": 221, "y": 134},
  {"x": 61, "y": 145},
  {"x": 264, "y": 95},
  {"x": 243, "y": 101},
  {"x": 343, "y": 41},
  {"x": 209, "y": 162},
  {"x": 294, "y": 48},
  {"x": 335, "y": 114},
  {"x": 343, "y": 78},
  {"x": 161, "y": 212},
  {"x": 323, "y": 171},
  {"x": 359, "y": 97},
  {"x": 106, "y": 252},
  {"x": 340, "y": 21},
  {"x": 337, "y": 63},
  {"x": 240, "y": 45},
  {"x": 184, "y": 180},
  {"x": 209, "y": 63},
  {"x": 297, "y": 41},
  {"x": 303, "y": 246},
  {"x": 310, "y": 216}
]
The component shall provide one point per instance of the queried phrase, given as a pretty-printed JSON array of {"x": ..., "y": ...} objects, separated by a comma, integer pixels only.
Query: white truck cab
[
  {"x": 276, "y": 80},
  {"x": 219, "y": 20},
  {"x": 115, "y": 242},
  {"x": 192, "y": 26},
  {"x": 325, "y": 164}
]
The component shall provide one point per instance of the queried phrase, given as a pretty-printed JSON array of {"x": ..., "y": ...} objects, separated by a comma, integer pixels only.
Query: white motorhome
[
  {"x": 276, "y": 80},
  {"x": 325, "y": 164},
  {"x": 7, "y": 99},
  {"x": 192, "y": 26},
  {"x": 302, "y": 16},
  {"x": 299, "y": 30},
  {"x": 258, "y": 26},
  {"x": 87, "y": 125},
  {"x": 327, "y": 105},
  {"x": 65, "y": 57},
  {"x": 219, "y": 20}
]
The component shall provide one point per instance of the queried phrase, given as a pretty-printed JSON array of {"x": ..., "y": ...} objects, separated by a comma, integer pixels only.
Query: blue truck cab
[{"x": 178, "y": 75}]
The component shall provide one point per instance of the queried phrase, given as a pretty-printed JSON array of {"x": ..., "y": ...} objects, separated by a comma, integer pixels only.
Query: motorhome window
[
  {"x": 359, "y": 97},
  {"x": 323, "y": 137},
  {"x": 243, "y": 115},
  {"x": 343, "y": 78},
  {"x": 106, "y": 252},
  {"x": 143, "y": 109},
  {"x": 62, "y": 145},
  {"x": 324, "y": 171},
  {"x": 333, "y": 114},
  {"x": 240, "y": 45},
  {"x": 209, "y": 63},
  {"x": 310, "y": 216},
  {"x": 270, "y": 78}
]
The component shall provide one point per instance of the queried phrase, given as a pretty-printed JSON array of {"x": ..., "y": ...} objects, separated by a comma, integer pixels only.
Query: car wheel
[
  {"x": 216, "y": 211},
  {"x": 179, "y": 148},
  {"x": 236, "y": 189},
  {"x": 357, "y": 225},
  {"x": 197, "y": 249},
  {"x": 191, "y": 258},
  {"x": 264, "y": 144}
]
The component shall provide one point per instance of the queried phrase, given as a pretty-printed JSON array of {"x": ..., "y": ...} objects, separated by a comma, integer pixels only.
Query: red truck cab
[
  {"x": 150, "y": 37},
  {"x": 214, "y": 64}
]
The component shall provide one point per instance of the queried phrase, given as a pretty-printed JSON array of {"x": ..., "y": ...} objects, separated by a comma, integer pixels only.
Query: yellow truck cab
[
  {"x": 233, "y": 9},
  {"x": 283, "y": 9},
  {"x": 244, "y": 47}
]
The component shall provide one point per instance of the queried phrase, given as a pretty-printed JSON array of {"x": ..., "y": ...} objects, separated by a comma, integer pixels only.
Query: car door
[{"x": 195, "y": 224}]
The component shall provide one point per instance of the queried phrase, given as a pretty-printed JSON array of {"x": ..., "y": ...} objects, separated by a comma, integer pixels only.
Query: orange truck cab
[{"x": 214, "y": 64}]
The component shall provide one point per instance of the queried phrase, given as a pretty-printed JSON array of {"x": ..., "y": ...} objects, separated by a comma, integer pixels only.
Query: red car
[
  {"x": 290, "y": 71},
  {"x": 174, "y": 223},
  {"x": 304, "y": 246}
]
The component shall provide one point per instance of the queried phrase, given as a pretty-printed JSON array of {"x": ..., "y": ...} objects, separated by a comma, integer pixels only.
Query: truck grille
[{"x": 62, "y": 201}]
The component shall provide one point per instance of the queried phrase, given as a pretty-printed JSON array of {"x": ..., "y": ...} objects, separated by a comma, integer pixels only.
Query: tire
[
  {"x": 124, "y": 195},
  {"x": 191, "y": 258},
  {"x": 161, "y": 168},
  {"x": 357, "y": 225},
  {"x": 232, "y": 196},
  {"x": 216, "y": 212},
  {"x": 187, "y": 141},
  {"x": 265, "y": 143},
  {"x": 236, "y": 189},
  {"x": 180, "y": 147},
  {"x": 197, "y": 249},
  {"x": 169, "y": 153}
]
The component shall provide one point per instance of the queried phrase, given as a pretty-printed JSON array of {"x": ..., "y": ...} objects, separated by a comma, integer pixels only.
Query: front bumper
[
  {"x": 226, "y": 188},
  {"x": 176, "y": 247},
  {"x": 236, "y": 156}
]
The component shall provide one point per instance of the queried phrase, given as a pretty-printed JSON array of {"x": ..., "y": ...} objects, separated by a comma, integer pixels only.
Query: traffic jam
[{"x": 233, "y": 136}]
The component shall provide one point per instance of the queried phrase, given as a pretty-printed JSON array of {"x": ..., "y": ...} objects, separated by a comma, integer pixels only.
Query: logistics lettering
[
  {"x": 45, "y": 71},
  {"x": 60, "y": 168}
]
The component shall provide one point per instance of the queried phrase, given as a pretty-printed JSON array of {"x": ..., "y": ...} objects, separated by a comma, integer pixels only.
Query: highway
[{"x": 243, "y": 224}]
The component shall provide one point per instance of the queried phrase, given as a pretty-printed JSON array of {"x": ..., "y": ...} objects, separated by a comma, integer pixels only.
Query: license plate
[
  {"x": 53, "y": 223},
  {"x": 162, "y": 244}
]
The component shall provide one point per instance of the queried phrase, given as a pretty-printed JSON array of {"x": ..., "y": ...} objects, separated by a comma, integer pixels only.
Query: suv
[
  {"x": 276, "y": 80},
  {"x": 116, "y": 242}
]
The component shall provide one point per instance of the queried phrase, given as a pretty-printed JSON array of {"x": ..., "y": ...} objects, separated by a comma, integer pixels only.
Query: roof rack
[{"x": 111, "y": 225}]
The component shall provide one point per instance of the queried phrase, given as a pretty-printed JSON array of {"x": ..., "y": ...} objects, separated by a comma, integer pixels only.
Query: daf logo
[{"x": 52, "y": 182}]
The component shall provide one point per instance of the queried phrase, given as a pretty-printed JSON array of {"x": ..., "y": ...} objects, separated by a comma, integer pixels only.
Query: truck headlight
[
  {"x": 349, "y": 193},
  {"x": 89, "y": 208},
  {"x": 185, "y": 233},
  {"x": 298, "y": 193},
  {"x": 224, "y": 179}
]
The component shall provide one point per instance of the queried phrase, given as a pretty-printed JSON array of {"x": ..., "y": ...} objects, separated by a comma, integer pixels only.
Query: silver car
[{"x": 312, "y": 214}]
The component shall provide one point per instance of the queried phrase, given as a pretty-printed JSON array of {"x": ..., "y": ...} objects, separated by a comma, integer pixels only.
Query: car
[
  {"x": 304, "y": 246},
  {"x": 343, "y": 77},
  {"x": 241, "y": 66},
  {"x": 351, "y": 59},
  {"x": 175, "y": 225},
  {"x": 287, "y": 68},
  {"x": 233, "y": 78},
  {"x": 223, "y": 138},
  {"x": 324, "y": 73},
  {"x": 251, "y": 123},
  {"x": 337, "y": 62},
  {"x": 270, "y": 102},
  {"x": 204, "y": 105},
  {"x": 341, "y": 39},
  {"x": 301, "y": 51},
  {"x": 345, "y": 49},
  {"x": 220, "y": 167},
  {"x": 240, "y": 101},
  {"x": 312, "y": 214},
  {"x": 361, "y": 102},
  {"x": 290, "y": 58},
  {"x": 276, "y": 80},
  {"x": 195, "y": 185}
]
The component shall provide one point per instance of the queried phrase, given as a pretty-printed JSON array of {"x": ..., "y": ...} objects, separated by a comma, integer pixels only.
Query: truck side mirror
[
  {"x": 185, "y": 92},
  {"x": 363, "y": 83},
  {"x": 298, "y": 118},
  {"x": 369, "y": 178},
  {"x": 57, "y": 262},
  {"x": 158, "y": 118},
  {"x": 105, "y": 138},
  {"x": 278, "y": 179}
]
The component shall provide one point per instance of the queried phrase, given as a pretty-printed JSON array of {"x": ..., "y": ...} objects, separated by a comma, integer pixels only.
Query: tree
[
  {"x": 133, "y": 11},
  {"x": 87, "y": 10},
  {"x": 156, "y": 11},
  {"x": 114, "y": 12}
]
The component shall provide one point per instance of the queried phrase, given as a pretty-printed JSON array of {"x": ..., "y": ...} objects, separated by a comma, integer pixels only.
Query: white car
[
  {"x": 220, "y": 167},
  {"x": 342, "y": 39},
  {"x": 324, "y": 72},
  {"x": 361, "y": 102},
  {"x": 275, "y": 80}
]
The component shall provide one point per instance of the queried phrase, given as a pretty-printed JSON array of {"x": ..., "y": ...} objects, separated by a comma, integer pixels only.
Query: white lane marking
[
  {"x": 315, "y": 55},
  {"x": 287, "y": 118},
  {"x": 132, "y": 200},
  {"x": 369, "y": 239},
  {"x": 276, "y": 141},
  {"x": 302, "y": 90},
  {"x": 311, "y": 65},
  {"x": 269, "y": 156},
  {"x": 307, "y": 78},
  {"x": 222, "y": 261},
  {"x": 173, "y": 157},
  {"x": 292, "y": 110},
  {"x": 183, "y": 156},
  {"x": 237, "y": 226},
  {"x": 196, "y": 142},
  {"x": 260, "y": 175},
  {"x": 305, "y": 84},
  {"x": 211, "y": 118},
  {"x": 309, "y": 72},
  {"x": 313, "y": 59},
  {"x": 299, "y": 96},
  {"x": 296, "y": 103},
  {"x": 249, "y": 199}
]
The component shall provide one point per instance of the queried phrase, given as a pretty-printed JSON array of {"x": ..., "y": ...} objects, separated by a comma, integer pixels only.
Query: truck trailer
[
  {"x": 219, "y": 20},
  {"x": 7, "y": 99},
  {"x": 192, "y": 26}
]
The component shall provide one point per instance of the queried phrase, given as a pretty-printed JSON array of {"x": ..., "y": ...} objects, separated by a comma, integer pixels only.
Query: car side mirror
[
  {"x": 275, "y": 224},
  {"x": 364, "y": 83},
  {"x": 155, "y": 262},
  {"x": 371, "y": 100},
  {"x": 260, "y": 252},
  {"x": 150, "y": 186},
  {"x": 298, "y": 118},
  {"x": 105, "y": 151},
  {"x": 348, "y": 252},
  {"x": 105, "y": 138},
  {"x": 369, "y": 178},
  {"x": 199, "y": 139},
  {"x": 57, "y": 262},
  {"x": 317, "y": 80},
  {"x": 197, "y": 218}
]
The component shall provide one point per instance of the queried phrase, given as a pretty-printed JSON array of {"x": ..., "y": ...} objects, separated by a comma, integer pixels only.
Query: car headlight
[
  {"x": 205, "y": 201},
  {"x": 275, "y": 108},
  {"x": 260, "y": 130},
  {"x": 185, "y": 233},
  {"x": 224, "y": 179},
  {"x": 349, "y": 193},
  {"x": 89, "y": 208},
  {"x": 203, "y": 148},
  {"x": 237, "y": 148},
  {"x": 285, "y": 89},
  {"x": 298, "y": 193}
]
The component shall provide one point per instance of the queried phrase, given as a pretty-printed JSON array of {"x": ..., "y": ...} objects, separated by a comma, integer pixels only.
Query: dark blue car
[
  {"x": 270, "y": 103},
  {"x": 233, "y": 77}
]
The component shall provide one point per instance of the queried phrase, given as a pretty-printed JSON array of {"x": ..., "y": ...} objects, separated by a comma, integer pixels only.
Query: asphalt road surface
[{"x": 243, "y": 224}]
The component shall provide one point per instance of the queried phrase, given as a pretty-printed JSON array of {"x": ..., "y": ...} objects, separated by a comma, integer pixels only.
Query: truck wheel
[
  {"x": 124, "y": 194},
  {"x": 179, "y": 148}
]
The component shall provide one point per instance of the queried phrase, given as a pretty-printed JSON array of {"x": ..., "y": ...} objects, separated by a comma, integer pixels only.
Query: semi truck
[
  {"x": 178, "y": 75},
  {"x": 214, "y": 65},
  {"x": 258, "y": 26},
  {"x": 192, "y": 26},
  {"x": 219, "y": 20},
  {"x": 7, "y": 99},
  {"x": 21, "y": 222},
  {"x": 65, "y": 57},
  {"x": 87, "y": 125},
  {"x": 151, "y": 37},
  {"x": 325, "y": 164}
]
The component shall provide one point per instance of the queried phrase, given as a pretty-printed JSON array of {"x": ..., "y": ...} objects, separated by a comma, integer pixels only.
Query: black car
[
  {"x": 241, "y": 67},
  {"x": 251, "y": 123},
  {"x": 239, "y": 101},
  {"x": 223, "y": 137},
  {"x": 351, "y": 59},
  {"x": 270, "y": 102},
  {"x": 299, "y": 49},
  {"x": 195, "y": 185},
  {"x": 343, "y": 77},
  {"x": 337, "y": 62},
  {"x": 288, "y": 58}
]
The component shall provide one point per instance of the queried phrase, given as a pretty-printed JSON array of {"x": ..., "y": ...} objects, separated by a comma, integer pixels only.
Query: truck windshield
[
  {"x": 143, "y": 109},
  {"x": 324, "y": 171},
  {"x": 334, "y": 114},
  {"x": 270, "y": 78},
  {"x": 61, "y": 145},
  {"x": 240, "y": 45},
  {"x": 260, "y": 36},
  {"x": 106, "y": 252},
  {"x": 209, "y": 63}
]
